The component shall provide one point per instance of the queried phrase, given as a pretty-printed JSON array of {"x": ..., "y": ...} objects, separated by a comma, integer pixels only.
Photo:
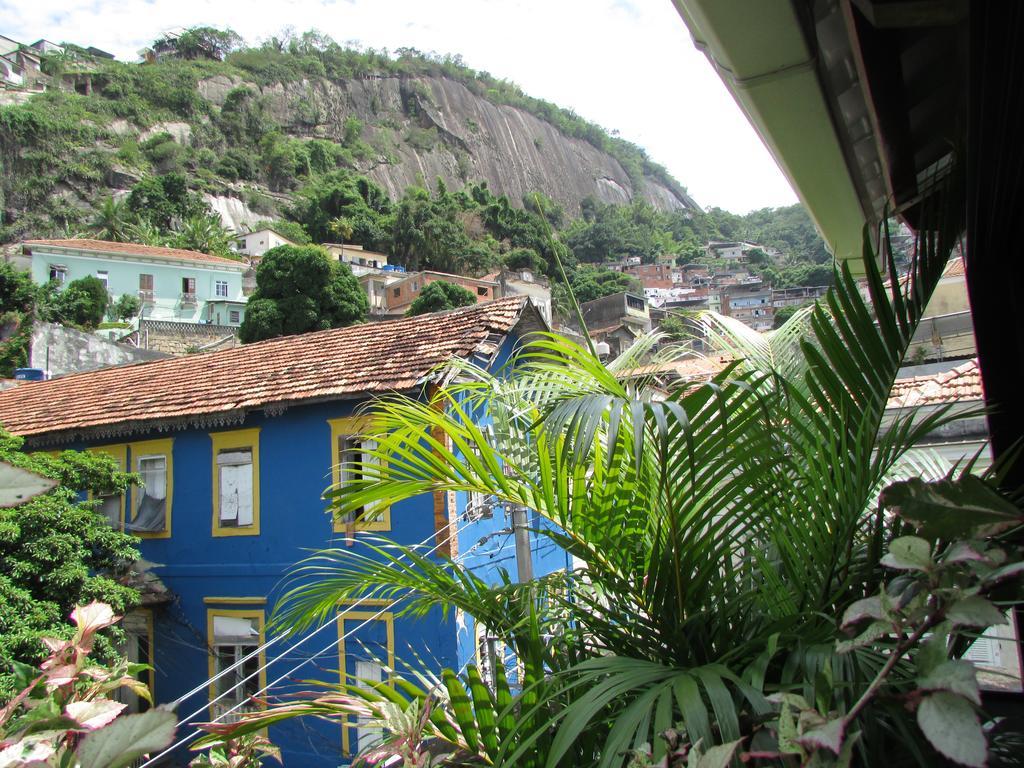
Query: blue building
[{"x": 235, "y": 449}]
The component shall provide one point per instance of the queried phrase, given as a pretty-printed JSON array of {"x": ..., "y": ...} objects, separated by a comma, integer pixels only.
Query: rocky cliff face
[{"x": 436, "y": 127}]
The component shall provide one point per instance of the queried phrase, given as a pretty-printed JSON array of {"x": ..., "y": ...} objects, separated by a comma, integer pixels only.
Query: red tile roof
[
  {"x": 134, "y": 249},
  {"x": 687, "y": 369},
  {"x": 960, "y": 383},
  {"x": 955, "y": 267},
  {"x": 362, "y": 360}
]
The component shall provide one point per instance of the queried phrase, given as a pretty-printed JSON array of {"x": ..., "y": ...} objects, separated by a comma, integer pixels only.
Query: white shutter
[
  {"x": 236, "y": 486},
  {"x": 244, "y": 494},
  {"x": 229, "y": 494},
  {"x": 227, "y": 629},
  {"x": 984, "y": 652}
]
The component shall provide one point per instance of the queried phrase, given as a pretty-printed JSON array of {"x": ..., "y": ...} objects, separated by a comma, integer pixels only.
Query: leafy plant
[
  {"x": 126, "y": 307},
  {"x": 723, "y": 527},
  {"x": 64, "y": 715},
  {"x": 82, "y": 303},
  {"x": 57, "y": 551},
  {"x": 247, "y": 751},
  {"x": 441, "y": 295},
  {"x": 300, "y": 289}
]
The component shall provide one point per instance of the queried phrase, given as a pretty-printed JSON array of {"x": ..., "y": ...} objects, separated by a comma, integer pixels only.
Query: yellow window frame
[
  {"x": 236, "y": 613},
  {"x": 143, "y": 449},
  {"x": 347, "y": 427},
  {"x": 388, "y": 617},
  {"x": 119, "y": 453},
  {"x": 238, "y": 438}
]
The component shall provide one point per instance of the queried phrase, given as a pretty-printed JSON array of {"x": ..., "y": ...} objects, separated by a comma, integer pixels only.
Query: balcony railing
[
  {"x": 188, "y": 299},
  {"x": 145, "y": 295}
]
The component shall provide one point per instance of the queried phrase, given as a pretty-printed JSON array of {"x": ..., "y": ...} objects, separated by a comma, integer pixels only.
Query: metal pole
[{"x": 524, "y": 557}]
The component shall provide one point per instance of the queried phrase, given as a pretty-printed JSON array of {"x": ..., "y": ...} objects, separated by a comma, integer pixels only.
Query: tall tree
[
  {"x": 83, "y": 303},
  {"x": 205, "y": 234},
  {"x": 300, "y": 289},
  {"x": 111, "y": 220},
  {"x": 200, "y": 43}
]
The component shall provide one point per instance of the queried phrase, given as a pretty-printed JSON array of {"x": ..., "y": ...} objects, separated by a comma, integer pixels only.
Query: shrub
[{"x": 440, "y": 296}]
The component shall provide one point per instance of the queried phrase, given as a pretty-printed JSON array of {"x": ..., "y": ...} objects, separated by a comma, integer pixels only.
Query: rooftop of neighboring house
[
  {"x": 960, "y": 383},
  {"x": 244, "y": 235},
  {"x": 428, "y": 274},
  {"x": 955, "y": 267},
  {"x": 221, "y": 387},
  {"x": 124, "y": 250},
  {"x": 685, "y": 370}
]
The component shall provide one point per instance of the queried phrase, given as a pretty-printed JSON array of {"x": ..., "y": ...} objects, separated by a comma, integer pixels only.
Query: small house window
[
  {"x": 351, "y": 454},
  {"x": 236, "y": 483},
  {"x": 103, "y": 277},
  {"x": 234, "y": 315},
  {"x": 188, "y": 286},
  {"x": 221, "y": 288},
  {"x": 58, "y": 274},
  {"x": 367, "y": 651},
  {"x": 234, "y": 636},
  {"x": 151, "y": 497},
  {"x": 234, "y": 468},
  {"x": 152, "y": 501},
  {"x": 397, "y": 292},
  {"x": 481, "y": 291},
  {"x": 145, "y": 282}
]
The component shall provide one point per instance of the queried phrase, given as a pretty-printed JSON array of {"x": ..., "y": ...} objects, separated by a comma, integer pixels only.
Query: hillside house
[
  {"x": 257, "y": 243},
  {"x": 729, "y": 251},
  {"x": 173, "y": 285},
  {"x": 359, "y": 260},
  {"x": 236, "y": 449},
  {"x": 616, "y": 320},
  {"x": 750, "y": 304},
  {"x": 402, "y": 293},
  {"x": 523, "y": 282}
]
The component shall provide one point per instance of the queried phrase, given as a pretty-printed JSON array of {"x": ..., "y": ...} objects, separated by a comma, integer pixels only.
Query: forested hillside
[{"x": 416, "y": 155}]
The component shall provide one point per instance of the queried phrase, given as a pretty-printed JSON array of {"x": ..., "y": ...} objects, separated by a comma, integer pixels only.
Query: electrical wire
[
  {"x": 258, "y": 650},
  {"x": 293, "y": 670}
]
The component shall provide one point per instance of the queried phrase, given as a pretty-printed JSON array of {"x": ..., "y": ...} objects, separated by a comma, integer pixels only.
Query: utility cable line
[
  {"x": 301, "y": 664},
  {"x": 261, "y": 648}
]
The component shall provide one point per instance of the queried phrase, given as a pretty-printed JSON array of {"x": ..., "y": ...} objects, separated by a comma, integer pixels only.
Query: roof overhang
[
  {"x": 761, "y": 53},
  {"x": 857, "y": 100}
]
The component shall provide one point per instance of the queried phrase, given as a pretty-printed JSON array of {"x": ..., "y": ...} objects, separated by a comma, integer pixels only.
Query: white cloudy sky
[{"x": 628, "y": 65}]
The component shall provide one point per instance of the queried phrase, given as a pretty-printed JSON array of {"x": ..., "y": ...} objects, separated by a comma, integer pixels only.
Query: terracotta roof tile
[
  {"x": 955, "y": 267},
  {"x": 374, "y": 358},
  {"x": 128, "y": 249},
  {"x": 960, "y": 383},
  {"x": 687, "y": 369}
]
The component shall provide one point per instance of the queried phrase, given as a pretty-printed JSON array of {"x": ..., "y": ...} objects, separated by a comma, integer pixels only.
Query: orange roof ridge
[
  {"x": 111, "y": 246},
  {"x": 962, "y": 382},
  {"x": 360, "y": 360}
]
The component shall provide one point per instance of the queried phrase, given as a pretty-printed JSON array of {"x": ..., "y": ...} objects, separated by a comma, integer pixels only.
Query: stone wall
[
  {"x": 185, "y": 338},
  {"x": 67, "y": 350}
]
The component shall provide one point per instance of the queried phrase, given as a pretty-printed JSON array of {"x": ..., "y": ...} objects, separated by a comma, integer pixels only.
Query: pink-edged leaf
[
  {"x": 94, "y": 714},
  {"x": 829, "y": 736},
  {"x": 963, "y": 552},
  {"x": 55, "y": 645},
  {"x": 868, "y": 608},
  {"x": 28, "y": 752},
  {"x": 90, "y": 619},
  {"x": 62, "y": 675},
  {"x": 950, "y": 723}
]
